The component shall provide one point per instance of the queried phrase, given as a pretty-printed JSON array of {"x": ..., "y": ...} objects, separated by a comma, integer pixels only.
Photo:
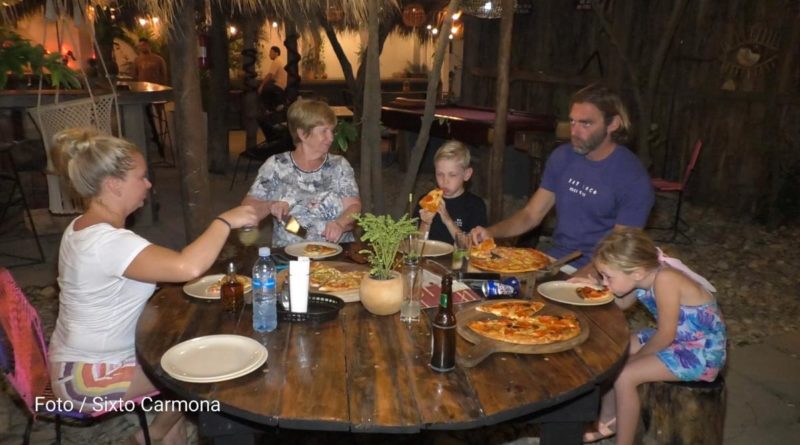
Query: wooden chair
[
  {"x": 663, "y": 186},
  {"x": 278, "y": 141},
  {"x": 23, "y": 361}
]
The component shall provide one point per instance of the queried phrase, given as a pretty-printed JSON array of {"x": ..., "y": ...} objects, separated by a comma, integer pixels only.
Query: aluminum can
[{"x": 505, "y": 288}]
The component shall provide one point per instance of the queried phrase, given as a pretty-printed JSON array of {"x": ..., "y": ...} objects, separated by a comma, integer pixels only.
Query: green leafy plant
[
  {"x": 384, "y": 235},
  {"x": 344, "y": 134},
  {"x": 19, "y": 55}
]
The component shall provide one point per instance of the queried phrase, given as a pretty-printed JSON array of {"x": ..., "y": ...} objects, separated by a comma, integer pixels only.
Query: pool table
[{"x": 471, "y": 125}]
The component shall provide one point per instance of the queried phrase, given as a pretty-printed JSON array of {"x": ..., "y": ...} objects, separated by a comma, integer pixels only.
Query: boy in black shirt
[{"x": 460, "y": 210}]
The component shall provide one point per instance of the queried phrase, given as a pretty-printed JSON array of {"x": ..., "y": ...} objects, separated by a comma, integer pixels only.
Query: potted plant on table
[{"x": 382, "y": 291}]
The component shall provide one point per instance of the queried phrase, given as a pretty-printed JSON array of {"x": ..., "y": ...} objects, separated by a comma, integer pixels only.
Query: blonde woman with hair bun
[{"x": 107, "y": 273}]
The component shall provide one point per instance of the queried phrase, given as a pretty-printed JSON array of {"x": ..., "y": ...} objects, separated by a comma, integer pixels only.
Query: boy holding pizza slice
[{"x": 450, "y": 209}]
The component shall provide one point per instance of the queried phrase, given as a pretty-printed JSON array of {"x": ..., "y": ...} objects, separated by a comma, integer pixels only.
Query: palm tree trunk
[
  {"x": 250, "y": 105},
  {"x": 190, "y": 143},
  {"x": 497, "y": 152},
  {"x": 218, "y": 92},
  {"x": 427, "y": 117}
]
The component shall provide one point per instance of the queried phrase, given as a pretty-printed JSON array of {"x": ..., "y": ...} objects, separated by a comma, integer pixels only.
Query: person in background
[
  {"x": 595, "y": 183},
  {"x": 149, "y": 66},
  {"x": 271, "y": 89},
  {"x": 107, "y": 273},
  {"x": 689, "y": 343},
  {"x": 314, "y": 186},
  {"x": 461, "y": 210}
]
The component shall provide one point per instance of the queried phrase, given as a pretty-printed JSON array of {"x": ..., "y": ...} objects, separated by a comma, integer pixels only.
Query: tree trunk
[
  {"x": 370, "y": 130},
  {"x": 250, "y": 102},
  {"x": 218, "y": 92},
  {"x": 415, "y": 159},
  {"x": 497, "y": 152},
  {"x": 190, "y": 143},
  {"x": 292, "y": 62}
]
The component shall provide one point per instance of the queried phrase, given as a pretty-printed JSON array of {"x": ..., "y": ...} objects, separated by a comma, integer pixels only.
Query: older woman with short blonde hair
[{"x": 309, "y": 183}]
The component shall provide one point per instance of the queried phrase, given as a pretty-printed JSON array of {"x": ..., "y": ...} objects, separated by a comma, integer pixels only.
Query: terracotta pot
[{"x": 382, "y": 297}]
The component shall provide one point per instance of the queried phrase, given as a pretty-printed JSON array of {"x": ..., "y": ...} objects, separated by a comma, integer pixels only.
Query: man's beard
[{"x": 589, "y": 145}]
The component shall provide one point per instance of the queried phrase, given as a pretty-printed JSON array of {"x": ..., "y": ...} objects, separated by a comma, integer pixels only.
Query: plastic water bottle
[{"x": 265, "y": 316}]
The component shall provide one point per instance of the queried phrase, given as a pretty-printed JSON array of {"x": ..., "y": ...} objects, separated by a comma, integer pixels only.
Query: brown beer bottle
[
  {"x": 232, "y": 291},
  {"x": 443, "y": 355}
]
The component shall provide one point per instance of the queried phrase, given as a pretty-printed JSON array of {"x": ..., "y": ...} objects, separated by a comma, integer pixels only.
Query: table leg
[
  {"x": 224, "y": 430},
  {"x": 134, "y": 125},
  {"x": 565, "y": 424}
]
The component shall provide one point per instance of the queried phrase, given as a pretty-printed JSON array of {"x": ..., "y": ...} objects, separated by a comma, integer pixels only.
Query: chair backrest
[
  {"x": 692, "y": 162},
  {"x": 93, "y": 112},
  {"x": 23, "y": 351}
]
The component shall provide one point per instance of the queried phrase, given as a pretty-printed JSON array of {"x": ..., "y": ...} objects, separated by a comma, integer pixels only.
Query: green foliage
[
  {"x": 19, "y": 55},
  {"x": 384, "y": 234},
  {"x": 344, "y": 134}
]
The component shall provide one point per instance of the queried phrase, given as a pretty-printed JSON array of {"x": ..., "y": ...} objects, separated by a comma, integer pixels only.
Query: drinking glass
[
  {"x": 414, "y": 245},
  {"x": 248, "y": 235},
  {"x": 412, "y": 288},
  {"x": 461, "y": 248}
]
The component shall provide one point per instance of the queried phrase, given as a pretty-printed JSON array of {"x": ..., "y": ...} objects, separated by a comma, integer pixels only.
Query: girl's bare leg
[{"x": 641, "y": 370}]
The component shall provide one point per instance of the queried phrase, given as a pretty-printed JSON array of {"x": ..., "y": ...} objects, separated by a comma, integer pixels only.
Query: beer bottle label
[{"x": 443, "y": 300}]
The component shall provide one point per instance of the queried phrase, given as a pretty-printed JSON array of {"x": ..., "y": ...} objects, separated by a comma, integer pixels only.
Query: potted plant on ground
[{"x": 382, "y": 291}]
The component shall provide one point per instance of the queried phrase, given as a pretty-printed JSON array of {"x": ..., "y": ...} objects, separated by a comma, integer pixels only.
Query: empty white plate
[{"x": 213, "y": 358}]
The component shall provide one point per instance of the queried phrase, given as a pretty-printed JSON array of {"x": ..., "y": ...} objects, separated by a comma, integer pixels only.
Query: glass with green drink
[{"x": 461, "y": 247}]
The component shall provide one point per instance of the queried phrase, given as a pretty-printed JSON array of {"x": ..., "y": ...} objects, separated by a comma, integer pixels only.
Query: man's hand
[{"x": 479, "y": 234}]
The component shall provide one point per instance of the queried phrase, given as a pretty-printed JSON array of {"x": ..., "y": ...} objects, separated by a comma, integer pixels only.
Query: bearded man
[{"x": 595, "y": 184}]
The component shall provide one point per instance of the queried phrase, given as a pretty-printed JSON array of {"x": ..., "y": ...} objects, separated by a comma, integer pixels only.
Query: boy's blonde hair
[
  {"x": 627, "y": 250},
  {"x": 86, "y": 158},
  {"x": 305, "y": 114},
  {"x": 453, "y": 151}
]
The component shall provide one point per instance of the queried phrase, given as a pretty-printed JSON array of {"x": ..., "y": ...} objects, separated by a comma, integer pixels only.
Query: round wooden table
[{"x": 365, "y": 373}]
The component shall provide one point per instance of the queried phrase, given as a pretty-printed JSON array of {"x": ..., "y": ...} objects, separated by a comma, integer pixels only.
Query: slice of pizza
[
  {"x": 315, "y": 250},
  {"x": 321, "y": 273},
  {"x": 432, "y": 201},
  {"x": 593, "y": 293},
  {"x": 484, "y": 249},
  {"x": 343, "y": 282},
  {"x": 515, "y": 310}
]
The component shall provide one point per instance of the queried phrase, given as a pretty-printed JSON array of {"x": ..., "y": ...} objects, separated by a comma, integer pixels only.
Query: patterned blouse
[{"x": 314, "y": 197}]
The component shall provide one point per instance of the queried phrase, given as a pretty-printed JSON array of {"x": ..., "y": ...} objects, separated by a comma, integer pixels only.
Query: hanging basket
[{"x": 414, "y": 15}]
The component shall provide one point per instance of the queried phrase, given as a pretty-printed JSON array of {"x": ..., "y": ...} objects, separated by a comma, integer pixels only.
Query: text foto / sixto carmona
[{"x": 100, "y": 405}]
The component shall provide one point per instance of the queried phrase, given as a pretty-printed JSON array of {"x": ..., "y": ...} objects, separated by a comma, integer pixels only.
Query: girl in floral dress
[{"x": 689, "y": 342}]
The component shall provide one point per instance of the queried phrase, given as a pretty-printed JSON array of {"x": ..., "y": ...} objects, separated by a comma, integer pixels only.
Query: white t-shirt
[
  {"x": 278, "y": 73},
  {"x": 98, "y": 307}
]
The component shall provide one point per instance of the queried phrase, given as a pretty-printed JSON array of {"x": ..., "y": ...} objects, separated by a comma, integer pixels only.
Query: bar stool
[
  {"x": 159, "y": 125},
  {"x": 9, "y": 178}
]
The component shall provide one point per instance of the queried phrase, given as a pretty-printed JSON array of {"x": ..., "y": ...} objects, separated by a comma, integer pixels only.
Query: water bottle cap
[{"x": 264, "y": 251}]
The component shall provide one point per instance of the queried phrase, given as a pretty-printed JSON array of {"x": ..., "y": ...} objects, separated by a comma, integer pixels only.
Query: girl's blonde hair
[
  {"x": 305, "y": 114},
  {"x": 627, "y": 250},
  {"x": 453, "y": 151},
  {"x": 86, "y": 157}
]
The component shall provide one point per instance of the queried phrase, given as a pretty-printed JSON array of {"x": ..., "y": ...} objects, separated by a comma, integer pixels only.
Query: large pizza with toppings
[
  {"x": 511, "y": 260},
  {"x": 328, "y": 278},
  {"x": 518, "y": 322}
]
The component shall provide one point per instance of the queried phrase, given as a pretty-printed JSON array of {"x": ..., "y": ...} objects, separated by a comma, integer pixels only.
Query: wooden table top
[{"x": 366, "y": 373}]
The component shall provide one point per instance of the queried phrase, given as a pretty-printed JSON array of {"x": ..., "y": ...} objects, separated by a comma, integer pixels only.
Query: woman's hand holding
[
  {"x": 279, "y": 209},
  {"x": 240, "y": 216},
  {"x": 333, "y": 231}
]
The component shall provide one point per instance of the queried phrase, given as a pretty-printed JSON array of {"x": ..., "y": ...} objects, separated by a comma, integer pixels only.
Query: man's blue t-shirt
[{"x": 593, "y": 196}]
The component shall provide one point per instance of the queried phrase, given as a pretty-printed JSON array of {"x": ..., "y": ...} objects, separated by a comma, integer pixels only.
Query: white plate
[
  {"x": 213, "y": 358},
  {"x": 198, "y": 287},
  {"x": 564, "y": 292},
  {"x": 299, "y": 249},
  {"x": 433, "y": 248}
]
